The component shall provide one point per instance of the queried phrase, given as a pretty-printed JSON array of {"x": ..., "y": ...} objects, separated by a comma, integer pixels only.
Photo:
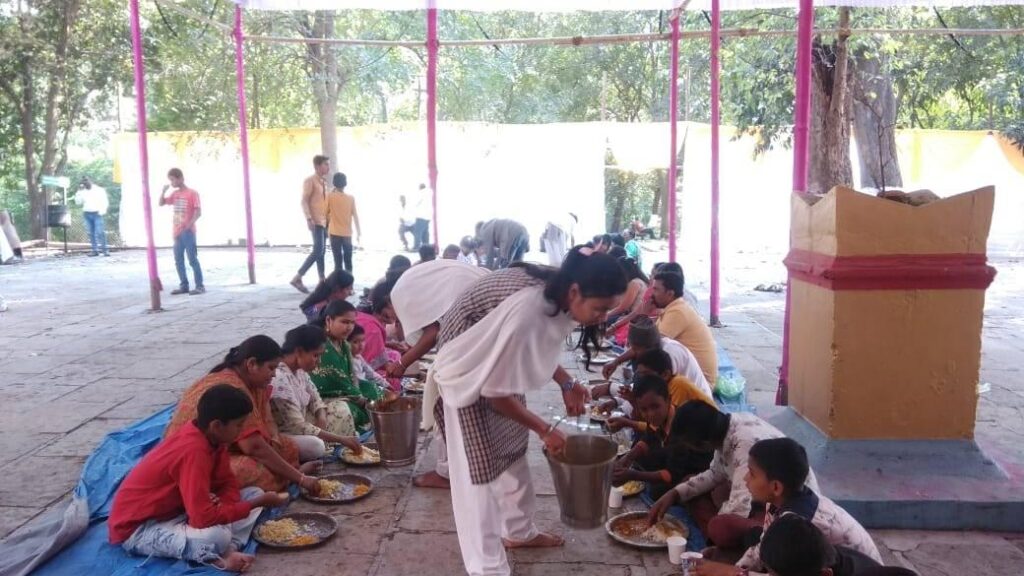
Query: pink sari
[{"x": 375, "y": 350}]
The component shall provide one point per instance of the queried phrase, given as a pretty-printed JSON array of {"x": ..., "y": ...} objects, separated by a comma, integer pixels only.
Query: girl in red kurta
[{"x": 182, "y": 500}]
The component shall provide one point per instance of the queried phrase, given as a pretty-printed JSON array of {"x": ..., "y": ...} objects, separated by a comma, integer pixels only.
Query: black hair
[
  {"x": 783, "y": 460},
  {"x": 428, "y": 252},
  {"x": 648, "y": 383},
  {"x": 399, "y": 262},
  {"x": 657, "y": 360},
  {"x": 605, "y": 239},
  {"x": 336, "y": 280},
  {"x": 697, "y": 422},
  {"x": 674, "y": 268},
  {"x": 380, "y": 297},
  {"x": 306, "y": 338},
  {"x": 261, "y": 348},
  {"x": 451, "y": 249},
  {"x": 590, "y": 336},
  {"x": 222, "y": 403},
  {"x": 176, "y": 173},
  {"x": 469, "y": 242},
  {"x": 632, "y": 269},
  {"x": 597, "y": 276},
  {"x": 672, "y": 281},
  {"x": 337, "y": 308},
  {"x": 617, "y": 252},
  {"x": 793, "y": 546},
  {"x": 618, "y": 240},
  {"x": 357, "y": 330},
  {"x": 340, "y": 180},
  {"x": 320, "y": 159}
]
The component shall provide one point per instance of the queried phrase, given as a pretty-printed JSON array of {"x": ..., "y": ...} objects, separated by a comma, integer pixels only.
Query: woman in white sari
[{"x": 483, "y": 376}]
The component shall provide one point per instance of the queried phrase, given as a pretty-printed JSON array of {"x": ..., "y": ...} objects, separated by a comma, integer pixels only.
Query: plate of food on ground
[
  {"x": 632, "y": 529},
  {"x": 368, "y": 457},
  {"x": 413, "y": 385},
  {"x": 597, "y": 359},
  {"x": 598, "y": 413},
  {"x": 296, "y": 530},
  {"x": 632, "y": 488},
  {"x": 340, "y": 489}
]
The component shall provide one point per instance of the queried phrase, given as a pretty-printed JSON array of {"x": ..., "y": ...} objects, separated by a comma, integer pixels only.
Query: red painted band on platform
[{"x": 892, "y": 271}]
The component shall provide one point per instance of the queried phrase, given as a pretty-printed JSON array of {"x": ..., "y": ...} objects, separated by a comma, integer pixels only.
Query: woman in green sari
[{"x": 345, "y": 396}]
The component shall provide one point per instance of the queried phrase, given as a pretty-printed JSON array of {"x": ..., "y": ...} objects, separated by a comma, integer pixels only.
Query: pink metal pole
[
  {"x": 673, "y": 120},
  {"x": 243, "y": 135},
  {"x": 801, "y": 124},
  {"x": 140, "y": 107},
  {"x": 432, "y": 46},
  {"x": 716, "y": 42}
]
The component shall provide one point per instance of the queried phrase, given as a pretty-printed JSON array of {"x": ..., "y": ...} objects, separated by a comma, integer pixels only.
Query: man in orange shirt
[
  {"x": 186, "y": 211},
  {"x": 341, "y": 214},
  {"x": 680, "y": 322},
  {"x": 314, "y": 206}
]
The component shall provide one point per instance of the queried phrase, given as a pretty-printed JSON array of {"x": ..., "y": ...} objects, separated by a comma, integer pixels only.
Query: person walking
[
  {"x": 187, "y": 210},
  {"x": 341, "y": 214},
  {"x": 406, "y": 223},
  {"x": 422, "y": 209},
  {"x": 314, "y": 206},
  {"x": 93, "y": 200}
]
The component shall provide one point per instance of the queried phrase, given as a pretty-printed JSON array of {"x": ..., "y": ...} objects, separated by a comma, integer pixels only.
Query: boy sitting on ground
[
  {"x": 776, "y": 471},
  {"x": 663, "y": 462},
  {"x": 182, "y": 500},
  {"x": 793, "y": 546}
]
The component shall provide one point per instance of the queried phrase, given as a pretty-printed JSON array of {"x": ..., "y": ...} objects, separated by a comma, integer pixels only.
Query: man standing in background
[
  {"x": 186, "y": 211},
  {"x": 93, "y": 200},
  {"x": 314, "y": 205},
  {"x": 422, "y": 209}
]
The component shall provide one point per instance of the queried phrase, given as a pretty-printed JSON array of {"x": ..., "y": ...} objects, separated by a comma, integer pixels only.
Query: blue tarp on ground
[{"x": 103, "y": 472}]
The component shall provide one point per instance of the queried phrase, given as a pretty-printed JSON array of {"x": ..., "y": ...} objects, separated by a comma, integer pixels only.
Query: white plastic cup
[
  {"x": 676, "y": 548},
  {"x": 690, "y": 560},
  {"x": 615, "y": 497}
]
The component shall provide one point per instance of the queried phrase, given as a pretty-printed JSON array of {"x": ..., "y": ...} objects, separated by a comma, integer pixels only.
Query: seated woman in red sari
[
  {"x": 376, "y": 351},
  {"x": 260, "y": 456}
]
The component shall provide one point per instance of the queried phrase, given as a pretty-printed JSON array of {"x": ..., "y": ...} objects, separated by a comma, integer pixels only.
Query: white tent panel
[{"x": 590, "y": 5}]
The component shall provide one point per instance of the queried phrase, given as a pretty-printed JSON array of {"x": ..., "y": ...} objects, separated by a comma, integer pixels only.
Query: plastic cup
[
  {"x": 615, "y": 497},
  {"x": 676, "y": 548},
  {"x": 690, "y": 560}
]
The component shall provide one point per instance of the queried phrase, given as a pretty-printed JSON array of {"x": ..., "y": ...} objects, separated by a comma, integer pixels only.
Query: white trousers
[
  {"x": 486, "y": 513},
  {"x": 441, "y": 451}
]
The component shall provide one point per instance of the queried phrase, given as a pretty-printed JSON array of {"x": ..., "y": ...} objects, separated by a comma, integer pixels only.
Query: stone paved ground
[{"x": 80, "y": 356}]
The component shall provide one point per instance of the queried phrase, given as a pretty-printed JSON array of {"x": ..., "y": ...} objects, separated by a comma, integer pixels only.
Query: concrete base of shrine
[{"x": 915, "y": 484}]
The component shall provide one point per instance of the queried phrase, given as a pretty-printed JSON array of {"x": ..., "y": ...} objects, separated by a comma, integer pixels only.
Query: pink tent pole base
[
  {"x": 716, "y": 42},
  {"x": 801, "y": 135},
  {"x": 155, "y": 285},
  {"x": 673, "y": 121},
  {"x": 243, "y": 136},
  {"x": 432, "y": 46}
]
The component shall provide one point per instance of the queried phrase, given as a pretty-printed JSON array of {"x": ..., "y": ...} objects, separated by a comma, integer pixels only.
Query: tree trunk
[
  {"x": 322, "y": 67},
  {"x": 874, "y": 124},
  {"x": 620, "y": 206},
  {"x": 831, "y": 104}
]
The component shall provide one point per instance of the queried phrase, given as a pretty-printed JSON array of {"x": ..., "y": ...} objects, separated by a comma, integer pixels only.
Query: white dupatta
[
  {"x": 420, "y": 297},
  {"x": 514, "y": 349}
]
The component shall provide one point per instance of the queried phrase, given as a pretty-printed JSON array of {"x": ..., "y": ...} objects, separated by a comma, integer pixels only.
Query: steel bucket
[
  {"x": 583, "y": 478},
  {"x": 396, "y": 427}
]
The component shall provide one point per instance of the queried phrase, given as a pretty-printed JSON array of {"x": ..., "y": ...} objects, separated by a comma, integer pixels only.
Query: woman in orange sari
[{"x": 261, "y": 456}]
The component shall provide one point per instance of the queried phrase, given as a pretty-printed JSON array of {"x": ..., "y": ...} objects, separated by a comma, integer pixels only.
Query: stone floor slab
[
  {"x": 84, "y": 439},
  {"x": 14, "y": 517},
  {"x": 36, "y": 481}
]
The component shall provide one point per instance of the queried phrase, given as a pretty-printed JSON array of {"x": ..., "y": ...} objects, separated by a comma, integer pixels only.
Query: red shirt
[
  {"x": 178, "y": 477},
  {"x": 186, "y": 204}
]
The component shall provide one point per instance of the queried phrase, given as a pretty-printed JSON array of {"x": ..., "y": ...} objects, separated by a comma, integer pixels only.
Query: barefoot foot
[
  {"x": 431, "y": 480},
  {"x": 542, "y": 540},
  {"x": 235, "y": 562}
]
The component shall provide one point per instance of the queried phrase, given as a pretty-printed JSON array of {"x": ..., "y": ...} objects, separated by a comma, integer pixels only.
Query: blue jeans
[
  {"x": 174, "y": 538},
  {"x": 186, "y": 243},
  {"x": 420, "y": 233},
  {"x": 97, "y": 235},
  {"x": 317, "y": 255}
]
